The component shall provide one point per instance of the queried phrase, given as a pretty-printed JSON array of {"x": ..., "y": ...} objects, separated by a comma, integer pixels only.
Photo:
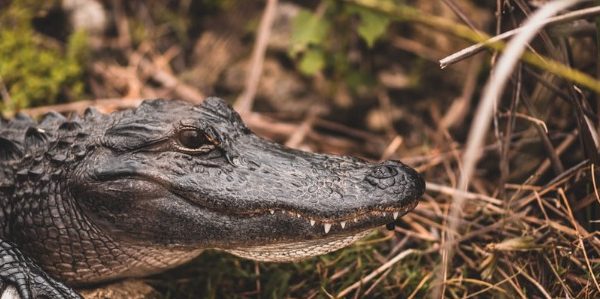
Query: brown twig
[
  {"x": 579, "y": 236},
  {"x": 104, "y": 105},
  {"x": 467, "y": 195},
  {"x": 460, "y": 13},
  {"x": 245, "y": 100},
  {"x": 474, "y": 49},
  {"x": 6, "y": 99},
  {"x": 458, "y": 109},
  {"x": 298, "y": 136},
  {"x": 379, "y": 270}
]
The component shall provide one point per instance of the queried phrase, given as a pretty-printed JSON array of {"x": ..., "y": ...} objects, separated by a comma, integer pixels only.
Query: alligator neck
[{"x": 52, "y": 230}]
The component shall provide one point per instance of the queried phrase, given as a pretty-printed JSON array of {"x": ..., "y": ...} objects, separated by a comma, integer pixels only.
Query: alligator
[{"x": 99, "y": 197}]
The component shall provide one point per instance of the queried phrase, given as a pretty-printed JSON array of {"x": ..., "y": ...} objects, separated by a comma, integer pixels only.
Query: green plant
[
  {"x": 34, "y": 70},
  {"x": 320, "y": 38}
]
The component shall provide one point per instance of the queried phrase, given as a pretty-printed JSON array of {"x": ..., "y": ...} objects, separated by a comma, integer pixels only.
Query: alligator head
[{"x": 171, "y": 173}]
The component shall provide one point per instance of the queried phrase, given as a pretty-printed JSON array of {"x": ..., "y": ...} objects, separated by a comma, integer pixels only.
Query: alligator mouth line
[{"x": 348, "y": 221}]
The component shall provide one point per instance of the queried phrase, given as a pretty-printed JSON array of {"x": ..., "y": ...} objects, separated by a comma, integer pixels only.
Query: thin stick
[
  {"x": 420, "y": 285},
  {"x": 466, "y": 194},
  {"x": 257, "y": 274},
  {"x": 532, "y": 119},
  {"x": 460, "y": 13},
  {"x": 246, "y": 99},
  {"x": 6, "y": 99},
  {"x": 560, "y": 279},
  {"x": 392, "y": 147},
  {"x": 474, "y": 49},
  {"x": 535, "y": 283},
  {"x": 298, "y": 136},
  {"x": 494, "y": 286},
  {"x": 514, "y": 284},
  {"x": 105, "y": 105},
  {"x": 579, "y": 236},
  {"x": 593, "y": 173},
  {"x": 372, "y": 287},
  {"x": 377, "y": 271}
]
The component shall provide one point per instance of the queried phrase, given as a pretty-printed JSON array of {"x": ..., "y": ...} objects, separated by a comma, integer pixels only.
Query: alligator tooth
[
  {"x": 327, "y": 227},
  {"x": 312, "y": 222},
  {"x": 355, "y": 219},
  {"x": 384, "y": 214},
  {"x": 272, "y": 211},
  {"x": 343, "y": 224},
  {"x": 396, "y": 215},
  {"x": 298, "y": 215}
]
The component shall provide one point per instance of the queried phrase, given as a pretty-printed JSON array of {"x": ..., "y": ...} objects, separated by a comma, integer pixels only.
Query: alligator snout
[{"x": 395, "y": 178}]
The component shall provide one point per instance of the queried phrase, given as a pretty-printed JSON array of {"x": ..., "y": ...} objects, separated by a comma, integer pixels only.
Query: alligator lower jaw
[
  {"x": 294, "y": 251},
  {"x": 326, "y": 235}
]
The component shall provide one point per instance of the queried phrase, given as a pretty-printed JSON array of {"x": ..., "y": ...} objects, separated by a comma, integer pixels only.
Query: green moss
[{"x": 33, "y": 70}]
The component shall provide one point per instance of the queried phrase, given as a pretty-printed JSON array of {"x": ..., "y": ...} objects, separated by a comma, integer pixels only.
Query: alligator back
[{"x": 22, "y": 137}]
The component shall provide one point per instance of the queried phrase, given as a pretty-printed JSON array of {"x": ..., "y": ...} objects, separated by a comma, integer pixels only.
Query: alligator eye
[{"x": 192, "y": 139}]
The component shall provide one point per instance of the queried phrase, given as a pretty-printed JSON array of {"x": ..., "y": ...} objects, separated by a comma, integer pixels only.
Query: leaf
[
  {"x": 307, "y": 29},
  {"x": 524, "y": 243},
  {"x": 372, "y": 26},
  {"x": 312, "y": 61}
]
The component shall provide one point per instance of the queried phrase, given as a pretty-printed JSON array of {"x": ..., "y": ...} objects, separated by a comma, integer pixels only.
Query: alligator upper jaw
[{"x": 195, "y": 211}]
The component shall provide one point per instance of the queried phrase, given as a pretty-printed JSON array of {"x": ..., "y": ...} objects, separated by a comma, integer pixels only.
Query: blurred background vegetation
[{"x": 367, "y": 83}]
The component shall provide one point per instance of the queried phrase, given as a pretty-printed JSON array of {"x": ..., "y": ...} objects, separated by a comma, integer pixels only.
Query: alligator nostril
[{"x": 384, "y": 172}]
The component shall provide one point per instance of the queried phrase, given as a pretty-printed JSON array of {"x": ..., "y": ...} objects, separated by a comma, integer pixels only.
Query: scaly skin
[{"x": 139, "y": 191}]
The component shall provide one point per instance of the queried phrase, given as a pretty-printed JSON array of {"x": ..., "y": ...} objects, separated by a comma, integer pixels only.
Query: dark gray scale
[
  {"x": 21, "y": 120},
  {"x": 52, "y": 119},
  {"x": 91, "y": 113},
  {"x": 69, "y": 126},
  {"x": 35, "y": 139},
  {"x": 15, "y": 128},
  {"x": 10, "y": 150}
]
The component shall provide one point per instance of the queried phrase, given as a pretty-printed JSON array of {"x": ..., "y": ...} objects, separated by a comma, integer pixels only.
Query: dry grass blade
[
  {"x": 579, "y": 237},
  {"x": 420, "y": 285},
  {"x": 379, "y": 270},
  {"x": 483, "y": 117},
  {"x": 593, "y": 175},
  {"x": 536, "y": 283},
  {"x": 245, "y": 100},
  {"x": 487, "y": 285},
  {"x": 558, "y": 278},
  {"x": 4, "y": 93},
  {"x": 495, "y": 286},
  {"x": 465, "y": 194}
]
